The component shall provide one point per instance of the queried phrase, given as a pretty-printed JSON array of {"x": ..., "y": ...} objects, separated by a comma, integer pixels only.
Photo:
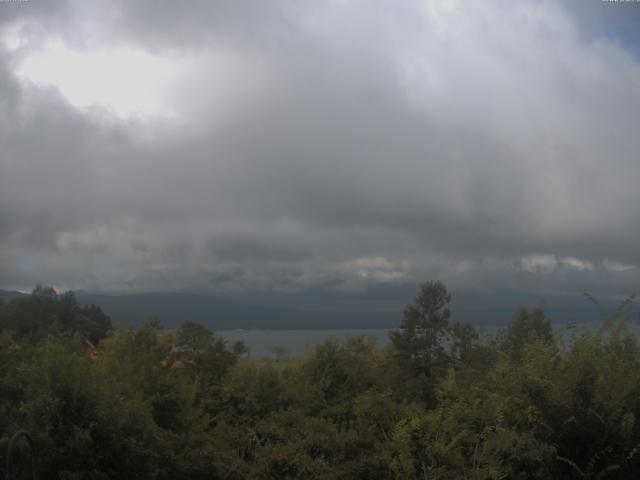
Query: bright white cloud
[
  {"x": 127, "y": 81},
  {"x": 577, "y": 264},
  {"x": 616, "y": 267},
  {"x": 539, "y": 263}
]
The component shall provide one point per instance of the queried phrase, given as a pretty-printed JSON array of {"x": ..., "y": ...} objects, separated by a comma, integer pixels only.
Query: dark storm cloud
[
  {"x": 342, "y": 143},
  {"x": 167, "y": 24}
]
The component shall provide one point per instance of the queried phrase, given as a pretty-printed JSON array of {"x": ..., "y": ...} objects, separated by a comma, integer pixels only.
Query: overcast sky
[{"x": 231, "y": 146}]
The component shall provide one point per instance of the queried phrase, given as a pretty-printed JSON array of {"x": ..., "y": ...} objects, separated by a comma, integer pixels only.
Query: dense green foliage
[{"x": 440, "y": 402}]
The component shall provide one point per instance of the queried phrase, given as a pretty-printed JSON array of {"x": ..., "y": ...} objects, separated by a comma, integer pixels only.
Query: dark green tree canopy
[
  {"x": 35, "y": 316},
  {"x": 527, "y": 326},
  {"x": 424, "y": 325}
]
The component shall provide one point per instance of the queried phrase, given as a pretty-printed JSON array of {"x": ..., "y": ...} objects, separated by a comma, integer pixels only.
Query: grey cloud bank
[{"x": 328, "y": 145}]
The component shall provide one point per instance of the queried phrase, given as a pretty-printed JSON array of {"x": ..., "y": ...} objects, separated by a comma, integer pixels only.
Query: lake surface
[{"x": 262, "y": 343}]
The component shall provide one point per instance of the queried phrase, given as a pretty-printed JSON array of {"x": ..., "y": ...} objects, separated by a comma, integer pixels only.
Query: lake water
[{"x": 261, "y": 343}]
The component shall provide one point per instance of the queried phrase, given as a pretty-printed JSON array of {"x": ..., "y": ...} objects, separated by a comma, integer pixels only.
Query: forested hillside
[{"x": 440, "y": 402}]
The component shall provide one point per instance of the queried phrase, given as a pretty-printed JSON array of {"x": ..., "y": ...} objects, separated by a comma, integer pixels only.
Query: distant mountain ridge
[
  {"x": 221, "y": 314},
  {"x": 224, "y": 314},
  {"x": 8, "y": 295}
]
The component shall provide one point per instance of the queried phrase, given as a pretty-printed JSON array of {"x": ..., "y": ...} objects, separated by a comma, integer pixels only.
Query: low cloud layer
[{"x": 296, "y": 145}]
